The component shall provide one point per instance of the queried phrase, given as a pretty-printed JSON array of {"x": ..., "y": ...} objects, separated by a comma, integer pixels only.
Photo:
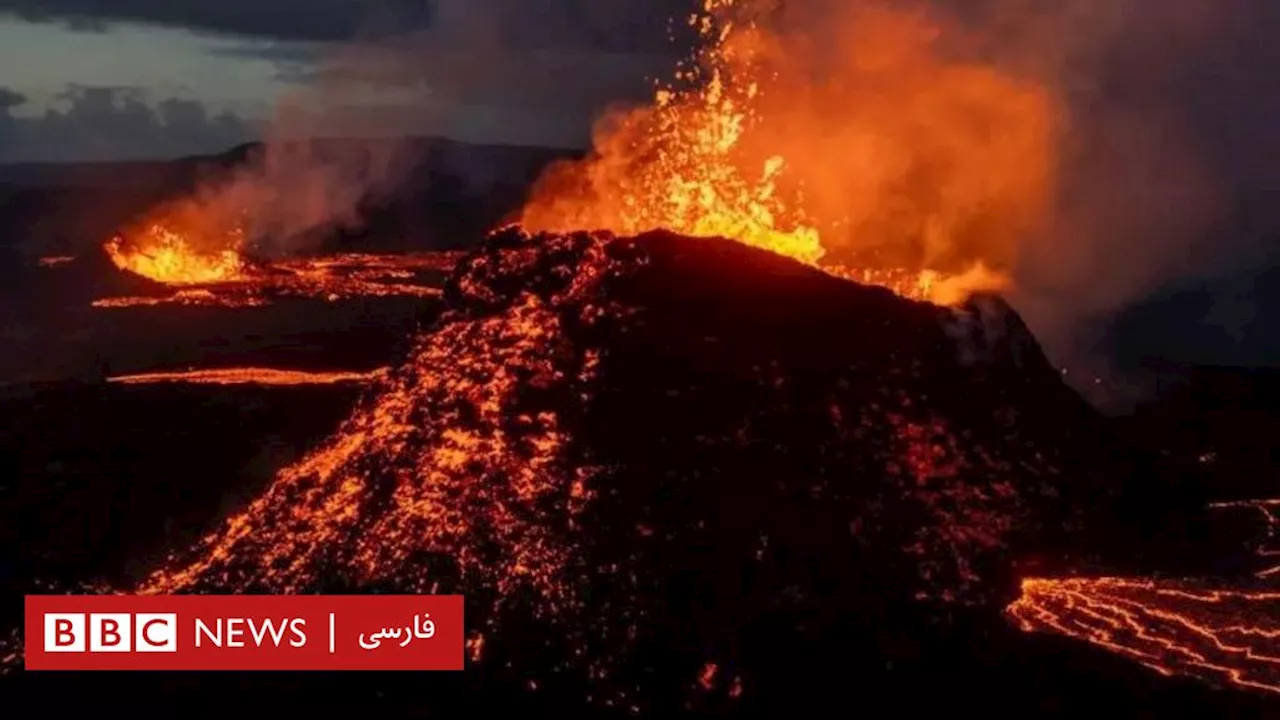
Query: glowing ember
[
  {"x": 1225, "y": 636},
  {"x": 249, "y": 376},
  {"x": 882, "y": 154},
  {"x": 167, "y": 256},
  {"x": 55, "y": 261}
]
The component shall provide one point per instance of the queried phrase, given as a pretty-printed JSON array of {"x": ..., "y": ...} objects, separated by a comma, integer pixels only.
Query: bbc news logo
[
  {"x": 244, "y": 632},
  {"x": 110, "y": 632}
]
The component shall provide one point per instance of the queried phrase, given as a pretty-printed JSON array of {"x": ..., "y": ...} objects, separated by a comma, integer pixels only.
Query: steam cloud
[
  {"x": 509, "y": 71},
  {"x": 318, "y": 163}
]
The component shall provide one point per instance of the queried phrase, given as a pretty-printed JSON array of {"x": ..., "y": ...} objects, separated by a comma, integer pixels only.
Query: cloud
[
  {"x": 295, "y": 62},
  {"x": 104, "y": 123},
  {"x": 10, "y": 99},
  {"x": 517, "y": 71},
  {"x": 291, "y": 19},
  {"x": 478, "y": 64},
  {"x": 615, "y": 25}
]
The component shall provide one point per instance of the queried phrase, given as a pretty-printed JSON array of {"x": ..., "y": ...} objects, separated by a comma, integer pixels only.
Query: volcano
[{"x": 647, "y": 451}]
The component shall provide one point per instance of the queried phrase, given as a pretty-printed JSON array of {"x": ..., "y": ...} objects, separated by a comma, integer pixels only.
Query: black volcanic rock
[
  {"x": 96, "y": 477},
  {"x": 988, "y": 331},
  {"x": 88, "y": 277},
  {"x": 692, "y": 455}
]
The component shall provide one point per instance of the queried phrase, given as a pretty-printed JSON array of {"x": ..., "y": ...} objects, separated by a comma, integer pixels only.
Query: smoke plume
[
  {"x": 1160, "y": 110},
  {"x": 326, "y": 152},
  {"x": 518, "y": 72},
  {"x": 1148, "y": 193}
]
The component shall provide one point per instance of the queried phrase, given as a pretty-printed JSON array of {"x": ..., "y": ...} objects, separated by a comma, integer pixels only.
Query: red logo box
[{"x": 244, "y": 632}]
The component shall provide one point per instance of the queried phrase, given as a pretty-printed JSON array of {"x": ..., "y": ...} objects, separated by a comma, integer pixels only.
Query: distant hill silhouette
[
  {"x": 1222, "y": 421},
  {"x": 1229, "y": 320}
]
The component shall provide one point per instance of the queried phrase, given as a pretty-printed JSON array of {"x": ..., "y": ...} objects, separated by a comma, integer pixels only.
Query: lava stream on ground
[
  {"x": 334, "y": 277},
  {"x": 248, "y": 376},
  {"x": 1267, "y": 549},
  {"x": 1225, "y": 635}
]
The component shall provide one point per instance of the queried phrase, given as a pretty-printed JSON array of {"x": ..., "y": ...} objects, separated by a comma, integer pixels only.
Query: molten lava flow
[
  {"x": 55, "y": 261},
  {"x": 249, "y": 376},
  {"x": 331, "y": 278},
  {"x": 167, "y": 256},
  {"x": 187, "y": 242},
  {"x": 1268, "y": 550},
  {"x": 870, "y": 149},
  {"x": 380, "y": 266},
  {"x": 474, "y": 491},
  {"x": 1228, "y": 636},
  {"x": 196, "y": 297}
]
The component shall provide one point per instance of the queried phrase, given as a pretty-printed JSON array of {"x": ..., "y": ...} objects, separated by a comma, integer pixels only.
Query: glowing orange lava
[
  {"x": 1225, "y": 636},
  {"x": 248, "y": 376},
  {"x": 1268, "y": 549},
  {"x": 167, "y": 256},
  {"x": 436, "y": 505},
  {"x": 197, "y": 296},
  {"x": 184, "y": 243},
  {"x": 336, "y": 277},
  {"x": 878, "y": 153}
]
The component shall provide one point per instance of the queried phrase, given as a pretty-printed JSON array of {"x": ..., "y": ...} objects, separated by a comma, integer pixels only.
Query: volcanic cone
[{"x": 622, "y": 449}]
